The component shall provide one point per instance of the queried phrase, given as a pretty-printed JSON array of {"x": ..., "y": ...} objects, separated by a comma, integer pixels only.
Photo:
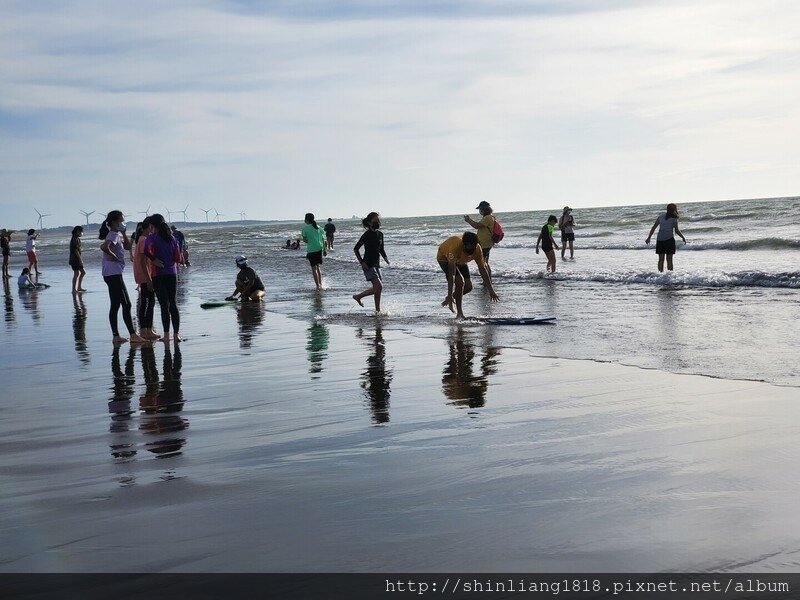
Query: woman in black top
[
  {"x": 5, "y": 239},
  {"x": 372, "y": 241},
  {"x": 76, "y": 260}
]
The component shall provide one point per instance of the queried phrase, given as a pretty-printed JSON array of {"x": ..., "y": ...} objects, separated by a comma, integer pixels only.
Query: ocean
[{"x": 730, "y": 308}]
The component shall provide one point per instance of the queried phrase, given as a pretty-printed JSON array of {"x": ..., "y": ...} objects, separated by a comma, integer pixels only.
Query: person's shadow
[
  {"x": 318, "y": 340},
  {"x": 250, "y": 316},
  {"x": 161, "y": 402},
  {"x": 122, "y": 445},
  {"x": 465, "y": 380},
  {"x": 8, "y": 301},
  {"x": 376, "y": 379},
  {"x": 79, "y": 329}
]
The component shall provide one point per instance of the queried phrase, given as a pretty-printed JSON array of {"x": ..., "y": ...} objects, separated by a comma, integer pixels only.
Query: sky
[{"x": 405, "y": 107}]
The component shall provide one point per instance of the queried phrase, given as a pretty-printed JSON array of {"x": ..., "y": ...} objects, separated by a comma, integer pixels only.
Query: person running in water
[
  {"x": 453, "y": 255},
  {"x": 665, "y": 242},
  {"x": 372, "y": 241},
  {"x": 314, "y": 238}
]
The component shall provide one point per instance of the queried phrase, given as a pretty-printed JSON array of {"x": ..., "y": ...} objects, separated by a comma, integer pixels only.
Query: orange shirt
[{"x": 452, "y": 251}]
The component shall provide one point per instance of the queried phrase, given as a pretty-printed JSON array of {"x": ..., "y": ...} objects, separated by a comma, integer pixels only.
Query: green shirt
[{"x": 314, "y": 238}]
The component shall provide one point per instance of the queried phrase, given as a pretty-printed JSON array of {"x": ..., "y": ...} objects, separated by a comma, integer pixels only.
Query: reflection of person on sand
[
  {"x": 79, "y": 328},
  {"x": 372, "y": 241},
  {"x": 453, "y": 255},
  {"x": 248, "y": 284},
  {"x": 9, "y": 303},
  {"x": 119, "y": 404},
  {"x": 376, "y": 379},
  {"x": 460, "y": 384},
  {"x": 317, "y": 346},
  {"x": 250, "y": 317},
  {"x": 161, "y": 400}
]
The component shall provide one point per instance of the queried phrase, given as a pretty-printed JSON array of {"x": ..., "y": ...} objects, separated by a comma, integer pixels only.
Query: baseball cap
[
  {"x": 241, "y": 259},
  {"x": 483, "y": 204}
]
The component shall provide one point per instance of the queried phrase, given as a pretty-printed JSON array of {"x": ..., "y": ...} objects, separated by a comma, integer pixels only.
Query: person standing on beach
[
  {"x": 565, "y": 224},
  {"x": 548, "y": 243},
  {"x": 330, "y": 229},
  {"x": 30, "y": 250},
  {"x": 667, "y": 225},
  {"x": 76, "y": 260},
  {"x": 182, "y": 245},
  {"x": 5, "y": 244},
  {"x": 143, "y": 275},
  {"x": 248, "y": 284},
  {"x": 115, "y": 243},
  {"x": 162, "y": 249},
  {"x": 372, "y": 241},
  {"x": 314, "y": 238},
  {"x": 453, "y": 255},
  {"x": 484, "y": 225}
]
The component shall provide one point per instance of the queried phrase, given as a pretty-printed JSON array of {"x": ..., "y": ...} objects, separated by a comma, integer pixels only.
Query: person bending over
[{"x": 248, "y": 284}]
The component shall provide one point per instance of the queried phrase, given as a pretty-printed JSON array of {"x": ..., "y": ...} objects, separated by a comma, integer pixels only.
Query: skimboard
[
  {"x": 518, "y": 321},
  {"x": 217, "y": 303}
]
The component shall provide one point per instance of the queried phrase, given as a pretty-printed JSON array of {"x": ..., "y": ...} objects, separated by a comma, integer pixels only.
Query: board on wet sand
[
  {"x": 217, "y": 303},
  {"x": 518, "y": 320}
]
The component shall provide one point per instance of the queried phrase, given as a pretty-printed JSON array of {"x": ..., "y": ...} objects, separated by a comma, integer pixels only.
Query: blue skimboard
[{"x": 517, "y": 321}]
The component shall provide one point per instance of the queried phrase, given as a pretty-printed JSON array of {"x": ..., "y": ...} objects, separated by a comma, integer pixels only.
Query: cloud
[{"x": 528, "y": 103}]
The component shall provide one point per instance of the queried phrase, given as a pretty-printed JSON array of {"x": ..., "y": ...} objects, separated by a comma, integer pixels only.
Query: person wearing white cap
[
  {"x": 484, "y": 227},
  {"x": 565, "y": 224},
  {"x": 248, "y": 284}
]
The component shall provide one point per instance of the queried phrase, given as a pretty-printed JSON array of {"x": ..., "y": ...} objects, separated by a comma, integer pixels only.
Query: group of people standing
[{"x": 156, "y": 254}]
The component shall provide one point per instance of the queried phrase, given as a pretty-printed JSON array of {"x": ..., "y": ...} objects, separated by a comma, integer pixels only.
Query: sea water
[{"x": 729, "y": 309}]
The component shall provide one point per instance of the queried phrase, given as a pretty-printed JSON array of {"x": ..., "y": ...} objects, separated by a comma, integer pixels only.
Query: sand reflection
[
  {"x": 376, "y": 379},
  {"x": 465, "y": 377}
]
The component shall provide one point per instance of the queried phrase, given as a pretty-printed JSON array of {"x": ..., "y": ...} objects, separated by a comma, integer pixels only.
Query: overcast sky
[{"x": 405, "y": 107}]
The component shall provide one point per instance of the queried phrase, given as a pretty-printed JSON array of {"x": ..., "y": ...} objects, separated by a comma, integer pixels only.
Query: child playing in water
[{"x": 548, "y": 243}]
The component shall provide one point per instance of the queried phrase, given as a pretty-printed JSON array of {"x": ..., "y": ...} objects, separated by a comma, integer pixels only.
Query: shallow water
[{"x": 269, "y": 443}]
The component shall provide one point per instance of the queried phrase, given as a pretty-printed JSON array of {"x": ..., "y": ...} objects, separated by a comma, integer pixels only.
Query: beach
[{"x": 303, "y": 436}]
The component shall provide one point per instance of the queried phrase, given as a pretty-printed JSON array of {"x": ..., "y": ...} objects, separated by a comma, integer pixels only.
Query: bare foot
[
  {"x": 118, "y": 339},
  {"x": 177, "y": 338},
  {"x": 81, "y": 290},
  {"x": 357, "y": 299},
  {"x": 460, "y": 317},
  {"x": 165, "y": 337},
  {"x": 137, "y": 339}
]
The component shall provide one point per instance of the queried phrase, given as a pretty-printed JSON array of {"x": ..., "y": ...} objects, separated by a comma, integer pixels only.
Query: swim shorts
[
  {"x": 665, "y": 246},
  {"x": 463, "y": 269},
  {"x": 315, "y": 258},
  {"x": 567, "y": 237},
  {"x": 32, "y": 256},
  {"x": 373, "y": 272}
]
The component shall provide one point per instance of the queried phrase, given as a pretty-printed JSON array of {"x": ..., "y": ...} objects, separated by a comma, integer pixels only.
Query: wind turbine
[
  {"x": 206, "y": 211},
  {"x": 242, "y": 216},
  {"x": 219, "y": 214},
  {"x": 40, "y": 222},
  {"x": 169, "y": 216},
  {"x": 184, "y": 213},
  {"x": 87, "y": 215},
  {"x": 146, "y": 213}
]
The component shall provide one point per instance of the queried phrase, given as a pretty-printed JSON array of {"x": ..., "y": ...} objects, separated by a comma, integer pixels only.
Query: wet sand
[{"x": 265, "y": 443}]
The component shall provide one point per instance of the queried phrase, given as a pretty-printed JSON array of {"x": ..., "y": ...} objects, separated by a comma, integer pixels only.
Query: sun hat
[{"x": 567, "y": 209}]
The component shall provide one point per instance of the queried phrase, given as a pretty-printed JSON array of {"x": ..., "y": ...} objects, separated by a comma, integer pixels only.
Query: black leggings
[
  {"x": 166, "y": 290},
  {"x": 147, "y": 305},
  {"x": 119, "y": 297}
]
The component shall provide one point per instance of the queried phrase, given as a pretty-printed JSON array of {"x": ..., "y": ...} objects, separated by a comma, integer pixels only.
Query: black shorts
[
  {"x": 665, "y": 246},
  {"x": 486, "y": 252},
  {"x": 567, "y": 237},
  {"x": 315, "y": 258},
  {"x": 76, "y": 267},
  {"x": 329, "y": 238},
  {"x": 547, "y": 248},
  {"x": 463, "y": 269}
]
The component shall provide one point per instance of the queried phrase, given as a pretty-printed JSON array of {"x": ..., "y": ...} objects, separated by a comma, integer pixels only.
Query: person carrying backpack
[{"x": 489, "y": 231}]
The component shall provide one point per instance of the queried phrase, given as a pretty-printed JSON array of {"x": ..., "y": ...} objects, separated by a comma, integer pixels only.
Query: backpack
[{"x": 497, "y": 232}]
